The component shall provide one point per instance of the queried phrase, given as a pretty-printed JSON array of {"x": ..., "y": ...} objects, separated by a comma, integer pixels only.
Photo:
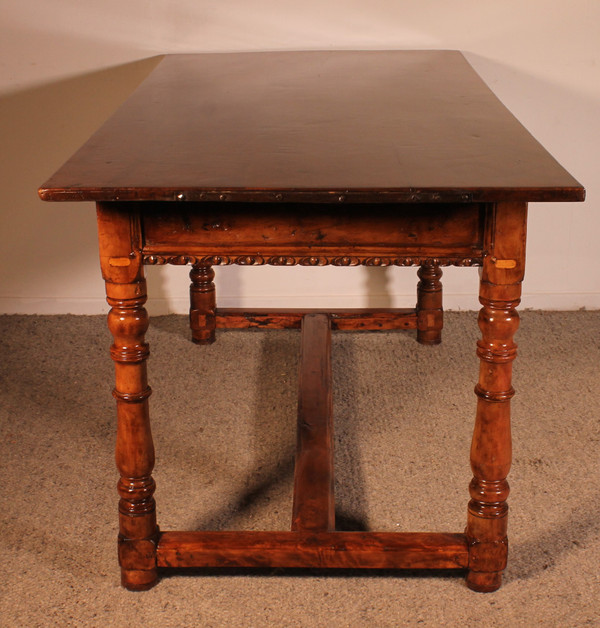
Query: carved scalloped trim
[{"x": 284, "y": 260}]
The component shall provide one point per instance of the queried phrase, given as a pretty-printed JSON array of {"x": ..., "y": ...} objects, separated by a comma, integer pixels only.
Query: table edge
[{"x": 400, "y": 195}]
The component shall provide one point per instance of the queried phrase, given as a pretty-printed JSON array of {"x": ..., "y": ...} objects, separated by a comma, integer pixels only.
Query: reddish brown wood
[
  {"x": 418, "y": 165},
  {"x": 283, "y": 234},
  {"x": 499, "y": 294},
  {"x": 202, "y": 304},
  {"x": 355, "y": 550},
  {"x": 343, "y": 320},
  {"x": 128, "y": 321},
  {"x": 334, "y": 127},
  {"x": 430, "y": 312},
  {"x": 314, "y": 506}
]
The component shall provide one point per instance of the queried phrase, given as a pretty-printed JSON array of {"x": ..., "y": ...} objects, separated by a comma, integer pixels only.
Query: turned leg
[
  {"x": 128, "y": 321},
  {"x": 491, "y": 450},
  {"x": 120, "y": 259},
  {"x": 430, "y": 312},
  {"x": 202, "y": 304}
]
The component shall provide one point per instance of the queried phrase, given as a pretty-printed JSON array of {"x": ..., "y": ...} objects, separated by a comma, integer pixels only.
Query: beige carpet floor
[{"x": 223, "y": 421}]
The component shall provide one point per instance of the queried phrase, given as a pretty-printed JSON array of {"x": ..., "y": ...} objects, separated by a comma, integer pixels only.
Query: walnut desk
[{"x": 313, "y": 158}]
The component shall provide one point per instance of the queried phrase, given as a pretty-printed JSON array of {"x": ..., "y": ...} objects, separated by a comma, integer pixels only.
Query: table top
[{"x": 349, "y": 126}]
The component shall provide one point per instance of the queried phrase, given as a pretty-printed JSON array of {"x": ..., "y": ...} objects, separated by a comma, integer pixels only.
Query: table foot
[
  {"x": 204, "y": 341},
  {"x": 484, "y": 582},
  {"x": 138, "y": 580}
]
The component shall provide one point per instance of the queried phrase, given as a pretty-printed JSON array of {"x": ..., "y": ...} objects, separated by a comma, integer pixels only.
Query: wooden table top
[{"x": 377, "y": 126}]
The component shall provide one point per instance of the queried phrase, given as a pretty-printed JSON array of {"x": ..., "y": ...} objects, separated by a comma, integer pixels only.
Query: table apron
[{"x": 312, "y": 235}]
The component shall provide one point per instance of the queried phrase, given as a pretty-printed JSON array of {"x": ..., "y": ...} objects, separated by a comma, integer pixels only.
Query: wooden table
[{"x": 314, "y": 158}]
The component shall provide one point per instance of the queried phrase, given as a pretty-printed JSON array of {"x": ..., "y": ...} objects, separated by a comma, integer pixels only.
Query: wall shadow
[{"x": 54, "y": 246}]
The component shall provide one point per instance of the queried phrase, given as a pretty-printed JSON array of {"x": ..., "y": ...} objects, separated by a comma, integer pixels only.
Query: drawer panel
[{"x": 204, "y": 229}]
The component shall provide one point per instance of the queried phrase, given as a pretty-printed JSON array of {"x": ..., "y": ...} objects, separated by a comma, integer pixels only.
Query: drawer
[{"x": 313, "y": 230}]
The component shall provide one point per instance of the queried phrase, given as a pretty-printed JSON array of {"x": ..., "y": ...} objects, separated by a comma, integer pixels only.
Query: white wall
[{"x": 65, "y": 65}]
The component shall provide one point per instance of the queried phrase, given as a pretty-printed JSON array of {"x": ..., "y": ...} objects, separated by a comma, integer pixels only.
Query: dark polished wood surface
[
  {"x": 314, "y": 505},
  {"x": 346, "y": 550},
  {"x": 313, "y": 126},
  {"x": 349, "y": 158}
]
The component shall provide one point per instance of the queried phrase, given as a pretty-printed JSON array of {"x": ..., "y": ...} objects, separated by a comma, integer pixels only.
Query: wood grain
[
  {"x": 382, "y": 158},
  {"x": 202, "y": 304},
  {"x": 332, "y": 127},
  {"x": 341, "y": 550},
  {"x": 119, "y": 235},
  {"x": 491, "y": 448},
  {"x": 341, "y": 320},
  {"x": 430, "y": 311},
  {"x": 272, "y": 230},
  {"x": 314, "y": 505}
]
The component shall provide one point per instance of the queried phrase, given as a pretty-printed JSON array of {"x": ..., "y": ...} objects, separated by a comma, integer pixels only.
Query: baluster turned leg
[
  {"x": 202, "y": 304},
  {"x": 430, "y": 312},
  {"x": 128, "y": 321},
  {"x": 122, "y": 269},
  {"x": 491, "y": 450}
]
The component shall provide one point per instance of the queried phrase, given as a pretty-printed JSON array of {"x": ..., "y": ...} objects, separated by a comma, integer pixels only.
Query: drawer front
[{"x": 270, "y": 231}]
